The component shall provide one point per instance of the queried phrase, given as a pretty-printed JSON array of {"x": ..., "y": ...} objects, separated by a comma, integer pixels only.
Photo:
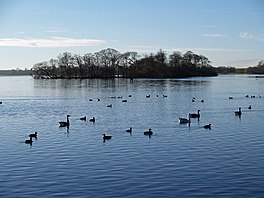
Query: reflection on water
[{"x": 177, "y": 161}]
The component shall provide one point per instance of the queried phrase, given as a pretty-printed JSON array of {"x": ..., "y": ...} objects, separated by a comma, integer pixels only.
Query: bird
[
  {"x": 110, "y": 105},
  {"x": 238, "y": 113},
  {"x": 65, "y": 124},
  {"x": 193, "y": 99},
  {"x": 33, "y": 135},
  {"x": 249, "y": 107},
  {"x": 124, "y": 100},
  {"x": 164, "y": 96},
  {"x": 208, "y": 126},
  {"x": 149, "y": 132},
  {"x": 83, "y": 118},
  {"x": 29, "y": 141},
  {"x": 1, "y": 102},
  {"x": 184, "y": 120},
  {"x": 106, "y": 137},
  {"x": 195, "y": 115},
  {"x": 230, "y": 98},
  {"x": 202, "y": 100},
  {"x": 129, "y": 130},
  {"x": 147, "y": 96},
  {"x": 92, "y": 119}
]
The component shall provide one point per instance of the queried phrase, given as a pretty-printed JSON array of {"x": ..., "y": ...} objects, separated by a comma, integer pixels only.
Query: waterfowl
[
  {"x": 238, "y": 112},
  {"x": 193, "y": 99},
  {"x": 1, "y": 102},
  {"x": 124, "y": 100},
  {"x": 98, "y": 99},
  {"x": 208, "y": 126},
  {"x": 129, "y": 96},
  {"x": 110, "y": 105},
  {"x": 129, "y": 130},
  {"x": 230, "y": 98},
  {"x": 195, "y": 115},
  {"x": 29, "y": 141},
  {"x": 92, "y": 119},
  {"x": 249, "y": 107},
  {"x": 33, "y": 135},
  {"x": 147, "y": 96},
  {"x": 106, "y": 137},
  {"x": 202, "y": 100},
  {"x": 184, "y": 120},
  {"x": 90, "y": 99},
  {"x": 149, "y": 132},
  {"x": 83, "y": 118},
  {"x": 65, "y": 124},
  {"x": 164, "y": 96}
]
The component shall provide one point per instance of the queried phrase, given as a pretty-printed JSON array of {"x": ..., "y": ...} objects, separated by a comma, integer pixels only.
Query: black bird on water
[
  {"x": 65, "y": 124},
  {"x": 33, "y": 135},
  {"x": 208, "y": 126}
]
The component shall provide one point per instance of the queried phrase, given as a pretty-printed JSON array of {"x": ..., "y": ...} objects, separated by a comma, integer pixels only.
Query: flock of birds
[{"x": 149, "y": 132}]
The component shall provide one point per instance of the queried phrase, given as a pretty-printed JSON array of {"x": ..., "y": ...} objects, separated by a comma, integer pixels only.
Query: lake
[{"x": 176, "y": 161}]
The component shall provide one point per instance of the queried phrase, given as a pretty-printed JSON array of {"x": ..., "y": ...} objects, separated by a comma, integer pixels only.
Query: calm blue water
[{"x": 177, "y": 161}]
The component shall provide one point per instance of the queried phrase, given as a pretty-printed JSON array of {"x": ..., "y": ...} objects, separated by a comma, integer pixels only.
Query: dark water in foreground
[{"x": 177, "y": 161}]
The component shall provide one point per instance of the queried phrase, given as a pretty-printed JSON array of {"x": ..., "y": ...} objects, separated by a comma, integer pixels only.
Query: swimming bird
[
  {"x": 147, "y": 96},
  {"x": 65, "y": 124},
  {"x": 195, "y": 115},
  {"x": 149, "y": 132},
  {"x": 202, "y": 101},
  {"x": 208, "y": 126},
  {"x": 83, "y": 118},
  {"x": 184, "y": 120},
  {"x": 92, "y": 119},
  {"x": 124, "y": 100},
  {"x": 110, "y": 105},
  {"x": 238, "y": 113},
  {"x": 230, "y": 98},
  {"x": 129, "y": 130},
  {"x": 249, "y": 107},
  {"x": 164, "y": 96},
  {"x": 33, "y": 135},
  {"x": 1, "y": 102},
  {"x": 106, "y": 137},
  {"x": 29, "y": 141}
]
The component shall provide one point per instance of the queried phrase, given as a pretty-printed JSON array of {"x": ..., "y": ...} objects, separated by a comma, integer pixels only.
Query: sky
[{"x": 227, "y": 32}]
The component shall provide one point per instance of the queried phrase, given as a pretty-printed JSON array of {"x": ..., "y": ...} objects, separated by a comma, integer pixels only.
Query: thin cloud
[
  {"x": 49, "y": 43},
  {"x": 245, "y": 35},
  {"x": 217, "y": 35}
]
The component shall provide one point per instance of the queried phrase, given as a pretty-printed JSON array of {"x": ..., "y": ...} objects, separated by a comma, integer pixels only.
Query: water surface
[{"x": 177, "y": 161}]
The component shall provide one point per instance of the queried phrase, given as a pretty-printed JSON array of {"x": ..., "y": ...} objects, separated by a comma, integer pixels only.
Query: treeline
[
  {"x": 16, "y": 72},
  {"x": 259, "y": 69},
  {"x": 109, "y": 63}
]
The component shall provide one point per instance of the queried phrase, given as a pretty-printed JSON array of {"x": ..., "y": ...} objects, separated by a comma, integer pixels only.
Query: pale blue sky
[{"x": 228, "y": 32}]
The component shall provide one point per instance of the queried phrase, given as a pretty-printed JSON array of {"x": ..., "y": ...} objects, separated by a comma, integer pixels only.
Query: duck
[
  {"x": 249, "y": 107},
  {"x": 238, "y": 113},
  {"x": 202, "y": 101},
  {"x": 195, "y": 115},
  {"x": 147, "y": 96},
  {"x": 33, "y": 135},
  {"x": 164, "y": 96},
  {"x": 65, "y": 124},
  {"x": 124, "y": 100},
  {"x": 83, "y": 118},
  {"x": 184, "y": 120},
  {"x": 110, "y": 105},
  {"x": 208, "y": 126},
  {"x": 106, "y": 137},
  {"x": 29, "y": 141},
  {"x": 92, "y": 119},
  {"x": 149, "y": 132},
  {"x": 230, "y": 98},
  {"x": 1, "y": 102},
  {"x": 129, "y": 130}
]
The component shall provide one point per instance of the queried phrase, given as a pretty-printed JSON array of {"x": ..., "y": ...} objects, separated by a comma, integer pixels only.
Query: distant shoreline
[{"x": 16, "y": 72}]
